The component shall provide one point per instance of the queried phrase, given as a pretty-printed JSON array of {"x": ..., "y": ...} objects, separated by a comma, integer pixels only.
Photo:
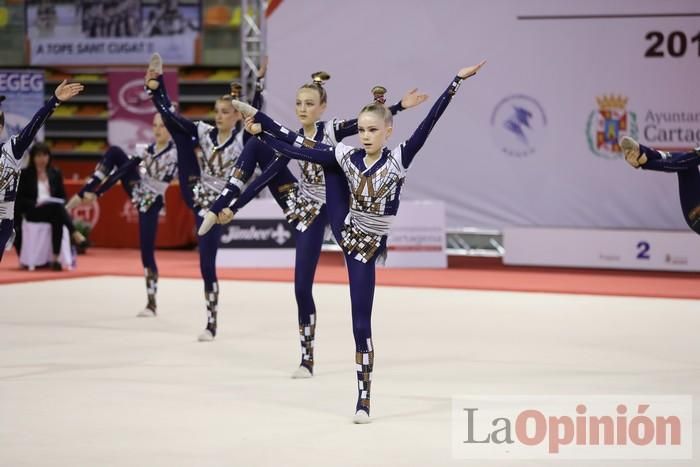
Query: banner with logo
[
  {"x": 602, "y": 248},
  {"x": 24, "y": 92},
  {"x": 259, "y": 236},
  {"x": 131, "y": 109},
  {"x": 531, "y": 140},
  {"x": 90, "y": 32}
]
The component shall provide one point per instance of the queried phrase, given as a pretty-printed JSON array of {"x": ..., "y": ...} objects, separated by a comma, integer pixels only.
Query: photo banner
[
  {"x": 131, "y": 109},
  {"x": 532, "y": 139},
  {"x": 24, "y": 92},
  {"x": 93, "y": 32}
]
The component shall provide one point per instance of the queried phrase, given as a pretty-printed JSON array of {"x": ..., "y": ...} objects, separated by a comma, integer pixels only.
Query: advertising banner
[
  {"x": 532, "y": 139},
  {"x": 259, "y": 236},
  {"x": 24, "y": 92},
  {"x": 127, "y": 32},
  {"x": 614, "y": 249},
  {"x": 131, "y": 109}
]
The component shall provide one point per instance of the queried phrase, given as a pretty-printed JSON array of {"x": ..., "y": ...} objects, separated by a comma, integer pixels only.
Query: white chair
[{"x": 36, "y": 246}]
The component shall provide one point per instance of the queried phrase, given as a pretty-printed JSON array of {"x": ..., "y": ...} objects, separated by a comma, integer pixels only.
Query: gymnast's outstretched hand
[
  {"x": 65, "y": 91},
  {"x": 413, "y": 98},
  {"x": 470, "y": 71}
]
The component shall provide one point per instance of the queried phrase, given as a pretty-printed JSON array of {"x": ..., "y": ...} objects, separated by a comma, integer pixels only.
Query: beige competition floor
[{"x": 85, "y": 383}]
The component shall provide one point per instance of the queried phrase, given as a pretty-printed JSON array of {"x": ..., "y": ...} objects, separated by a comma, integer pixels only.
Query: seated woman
[{"x": 39, "y": 199}]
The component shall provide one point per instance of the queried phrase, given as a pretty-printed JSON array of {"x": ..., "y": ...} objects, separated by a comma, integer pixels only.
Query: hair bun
[
  {"x": 320, "y": 77},
  {"x": 236, "y": 89},
  {"x": 379, "y": 94}
]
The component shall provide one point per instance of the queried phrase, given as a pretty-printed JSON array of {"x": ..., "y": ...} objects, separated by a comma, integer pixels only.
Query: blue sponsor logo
[{"x": 517, "y": 123}]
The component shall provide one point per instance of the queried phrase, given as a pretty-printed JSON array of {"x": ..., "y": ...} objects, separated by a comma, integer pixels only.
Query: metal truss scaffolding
[{"x": 253, "y": 42}]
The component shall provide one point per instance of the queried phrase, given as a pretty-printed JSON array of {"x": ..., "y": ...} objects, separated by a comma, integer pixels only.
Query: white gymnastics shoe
[
  {"x": 209, "y": 220},
  {"x": 155, "y": 65},
  {"x": 630, "y": 149},
  {"x": 146, "y": 313},
  {"x": 361, "y": 417},
  {"x": 246, "y": 109},
  {"x": 74, "y": 202},
  {"x": 301, "y": 373},
  {"x": 206, "y": 336}
]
